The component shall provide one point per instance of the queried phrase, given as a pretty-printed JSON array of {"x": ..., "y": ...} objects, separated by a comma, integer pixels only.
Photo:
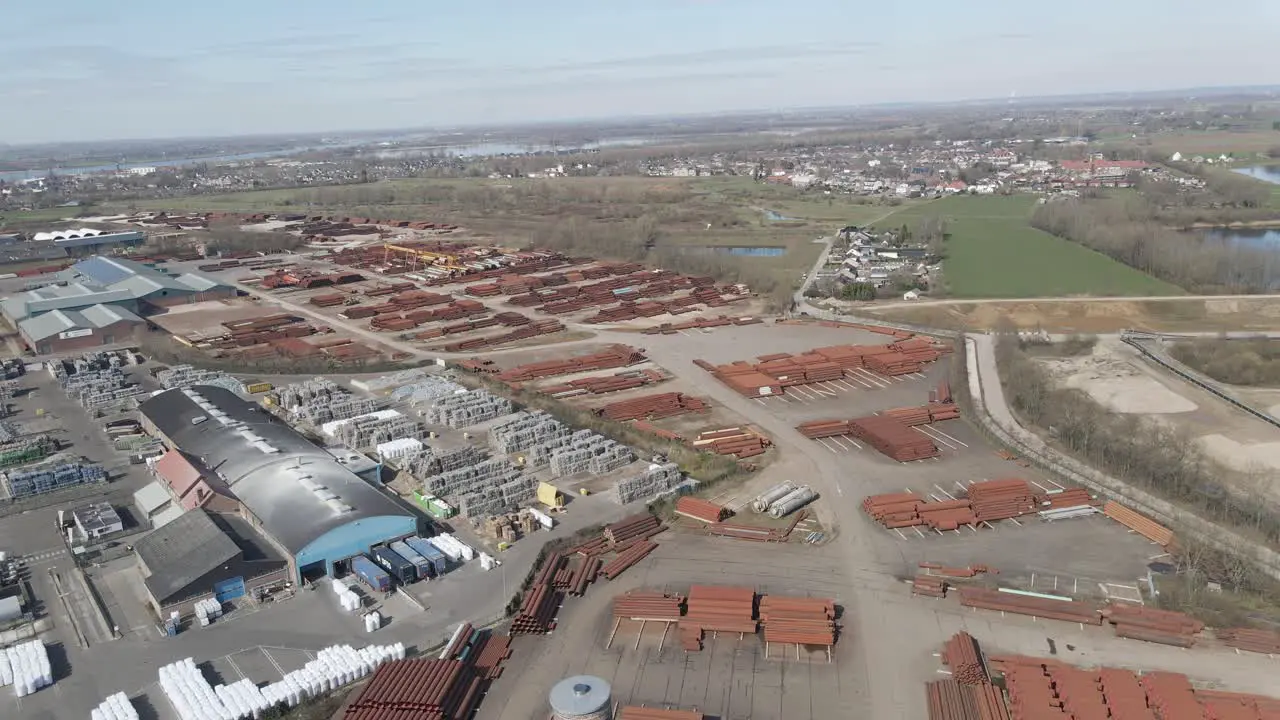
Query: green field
[{"x": 992, "y": 251}]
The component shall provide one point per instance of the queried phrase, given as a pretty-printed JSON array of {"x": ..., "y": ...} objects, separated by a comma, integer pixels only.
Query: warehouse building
[
  {"x": 86, "y": 241},
  {"x": 312, "y": 508},
  {"x": 96, "y": 520},
  {"x": 200, "y": 556},
  {"x": 99, "y": 301}
]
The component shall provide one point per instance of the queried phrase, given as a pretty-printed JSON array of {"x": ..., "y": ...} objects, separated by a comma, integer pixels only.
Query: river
[{"x": 1265, "y": 173}]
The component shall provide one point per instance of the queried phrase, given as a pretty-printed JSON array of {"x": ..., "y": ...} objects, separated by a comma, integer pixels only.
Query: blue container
[
  {"x": 402, "y": 570},
  {"x": 439, "y": 563},
  {"x": 370, "y": 574},
  {"x": 420, "y": 564}
]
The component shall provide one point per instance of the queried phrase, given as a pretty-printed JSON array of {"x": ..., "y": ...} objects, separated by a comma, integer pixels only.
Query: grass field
[{"x": 992, "y": 251}]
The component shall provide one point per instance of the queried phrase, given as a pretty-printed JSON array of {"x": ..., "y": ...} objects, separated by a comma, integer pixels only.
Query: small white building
[{"x": 97, "y": 520}]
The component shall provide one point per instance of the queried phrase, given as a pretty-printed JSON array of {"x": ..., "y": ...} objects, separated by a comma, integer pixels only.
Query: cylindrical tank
[
  {"x": 793, "y": 502},
  {"x": 795, "y": 493},
  {"x": 582, "y": 697},
  {"x": 769, "y": 497}
]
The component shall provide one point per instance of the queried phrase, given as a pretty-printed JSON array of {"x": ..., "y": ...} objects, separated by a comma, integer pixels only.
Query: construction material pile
[
  {"x": 652, "y": 407},
  {"x": 1251, "y": 640},
  {"x": 899, "y": 510},
  {"x": 758, "y": 534},
  {"x": 887, "y": 434},
  {"x": 1139, "y": 523},
  {"x": 1165, "y": 627},
  {"x": 488, "y": 487},
  {"x": 544, "y": 441},
  {"x": 628, "y": 537},
  {"x": 718, "y": 609},
  {"x": 537, "y": 610},
  {"x": 924, "y": 414},
  {"x": 656, "y": 479},
  {"x": 929, "y": 586},
  {"x": 602, "y": 384},
  {"x": 523, "y": 332},
  {"x": 628, "y": 554},
  {"x": 427, "y": 689},
  {"x": 577, "y": 575},
  {"x": 1066, "y": 503},
  {"x": 647, "y": 605},
  {"x": 1001, "y": 499},
  {"x": 699, "y": 324},
  {"x": 955, "y": 572},
  {"x": 483, "y": 650},
  {"x": 741, "y": 442},
  {"x": 803, "y": 621},
  {"x": 614, "y": 357},
  {"x": 951, "y": 700},
  {"x": 700, "y": 510},
  {"x": 52, "y": 475},
  {"x": 962, "y": 655},
  {"x": 1024, "y": 604}
]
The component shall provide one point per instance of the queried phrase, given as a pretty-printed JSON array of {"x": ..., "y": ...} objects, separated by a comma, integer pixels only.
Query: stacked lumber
[
  {"x": 647, "y": 605},
  {"x": 652, "y": 407},
  {"x": 537, "y": 611},
  {"x": 1171, "y": 697},
  {"x": 1001, "y": 499},
  {"x": 601, "y": 384},
  {"x": 929, "y": 586},
  {"x": 1251, "y": 640},
  {"x": 1073, "y": 497},
  {"x": 1165, "y": 627},
  {"x": 628, "y": 557},
  {"x": 803, "y": 621},
  {"x": 726, "y": 609},
  {"x": 741, "y": 442},
  {"x": 924, "y": 414},
  {"x": 1069, "y": 610},
  {"x": 700, "y": 510},
  {"x": 616, "y": 356},
  {"x": 893, "y": 438},
  {"x": 641, "y": 525},
  {"x": 1139, "y": 523},
  {"x": 961, "y": 654}
]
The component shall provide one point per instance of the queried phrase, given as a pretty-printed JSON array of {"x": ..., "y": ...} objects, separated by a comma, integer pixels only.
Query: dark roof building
[
  {"x": 308, "y": 504},
  {"x": 199, "y": 555}
]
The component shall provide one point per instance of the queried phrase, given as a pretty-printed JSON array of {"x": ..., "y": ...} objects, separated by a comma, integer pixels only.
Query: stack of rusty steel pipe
[
  {"x": 929, "y": 586},
  {"x": 641, "y": 525},
  {"x": 537, "y": 611},
  {"x": 898, "y": 510},
  {"x": 924, "y": 414},
  {"x": 488, "y": 652},
  {"x": 741, "y": 531},
  {"x": 633, "y": 554},
  {"x": 1171, "y": 696},
  {"x": 426, "y": 689},
  {"x": 1053, "y": 609},
  {"x": 1072, "y": 497},
  {"x": 741, "y": 442},
  {"x": 802, "y": 621},
  {"x": 718, "y": 609},
  {"x": 616, "y": 356},
  {"x": 956, "y": 572},
  {"x": 892, "y": 437},
  {"x": 701, "y": 510},
  {"x": 1001, "y": 499},
  {"x": 1139, "y": 523},
  {"x": 647, "y": 605},
  {"x": 1251, "y": 640},
  {"x": 580, "y": 576},
  {"x": 652, "y": 407},
  {"x": 951, "y": 700},
  {"x": 962, "y": 655},
  {"x": 1165, "y": 627}
]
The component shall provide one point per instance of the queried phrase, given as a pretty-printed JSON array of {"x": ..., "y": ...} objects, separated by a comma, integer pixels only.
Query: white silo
[{"x": 582, "y": 697}]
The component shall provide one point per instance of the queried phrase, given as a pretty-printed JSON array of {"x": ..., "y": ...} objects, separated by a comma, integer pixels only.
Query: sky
[{"x": 83, "y": 70}]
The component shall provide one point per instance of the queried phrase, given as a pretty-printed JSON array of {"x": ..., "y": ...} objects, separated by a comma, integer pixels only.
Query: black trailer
[{"x": 402, "y": 570}]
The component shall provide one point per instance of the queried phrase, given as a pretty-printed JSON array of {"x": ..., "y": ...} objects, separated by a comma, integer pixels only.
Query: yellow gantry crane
[{"x": 420, "y": 255}]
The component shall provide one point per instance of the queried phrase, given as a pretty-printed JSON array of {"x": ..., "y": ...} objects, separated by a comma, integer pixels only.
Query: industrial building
[
  {"x": 96, "y": 521},
  {"x": 99, "y": 301},
  {"x": 86, "y": 241},
  {"x": 200, "y": 556},
  {"x": 310, "y": 506}
]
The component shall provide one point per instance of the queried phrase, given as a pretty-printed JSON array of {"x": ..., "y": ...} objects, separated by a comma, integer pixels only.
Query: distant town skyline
[{"x": 77, "y": 70}]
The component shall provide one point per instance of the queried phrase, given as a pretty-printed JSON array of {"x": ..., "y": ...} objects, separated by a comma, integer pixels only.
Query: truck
[
  {"x": 370, "y": 574},
  {"x": 439, "y": 563},
  {"x": 420, "y": 564},
  {"x": 402, "y": 570}
]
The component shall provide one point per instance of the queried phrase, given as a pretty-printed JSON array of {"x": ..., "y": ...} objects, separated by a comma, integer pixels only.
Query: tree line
[{"x": 1235, "y": 362}]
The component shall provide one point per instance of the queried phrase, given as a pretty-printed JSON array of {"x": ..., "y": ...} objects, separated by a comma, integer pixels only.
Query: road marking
[
  {"x": 954, "y": 440},
  {"x": 274, "y": 664},
  {"x": 857, "y": 379},
  {"x": 872, "y": 377},
  {"x": 938, "y": 440},
  {"x": 235, "y": 667},
  {"x": 836, "y": 440},
  {"x": 823, "y": 444},
  {"x": 946, "y": 494}
]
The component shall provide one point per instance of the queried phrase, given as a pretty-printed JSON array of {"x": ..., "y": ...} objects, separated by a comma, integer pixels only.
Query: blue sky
[{"x": 95, "y": 69}]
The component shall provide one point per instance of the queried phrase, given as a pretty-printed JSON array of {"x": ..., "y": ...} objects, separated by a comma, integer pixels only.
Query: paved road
[{"x": 1070, "y": 299}]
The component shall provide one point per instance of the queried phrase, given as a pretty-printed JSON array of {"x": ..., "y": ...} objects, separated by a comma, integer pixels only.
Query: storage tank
[
  {"x": 793, "y": 502},
  {"x": 762, "y": 503},
  {"x": 582, "y": 697}
]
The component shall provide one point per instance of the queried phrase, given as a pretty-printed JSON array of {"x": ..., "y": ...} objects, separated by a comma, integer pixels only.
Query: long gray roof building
[{"x": 303, "y": 499}]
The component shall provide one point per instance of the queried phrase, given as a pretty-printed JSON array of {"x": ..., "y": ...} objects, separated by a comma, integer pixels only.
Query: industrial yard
[{"x": 747, "y": 516}]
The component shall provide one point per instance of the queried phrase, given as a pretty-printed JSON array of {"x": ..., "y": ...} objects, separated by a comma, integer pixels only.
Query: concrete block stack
[
  {"x": 653, "y": 481},
  {"x": 524, "y": 430},
  {"x": 101, "y": 389},
  {"x": 383, "y": 383},
  {"x": 484, "y": 488},
  {"x": 320, "y": 400},
  {"x": 51, "y": 476},
  {"x": 362, "y": 432},
  {"x": 466, "y": 409},
  {"x": 180, "y": 376},
  {"x": 425, "y": 391},
  {"x": 434, "y": 460}
]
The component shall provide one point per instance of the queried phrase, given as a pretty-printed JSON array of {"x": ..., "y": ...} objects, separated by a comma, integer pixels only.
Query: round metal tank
[
  {"x": 582, "y": 697},
  {"x": 762, "y": 503},
  {"x": 793, "y": 502}
]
